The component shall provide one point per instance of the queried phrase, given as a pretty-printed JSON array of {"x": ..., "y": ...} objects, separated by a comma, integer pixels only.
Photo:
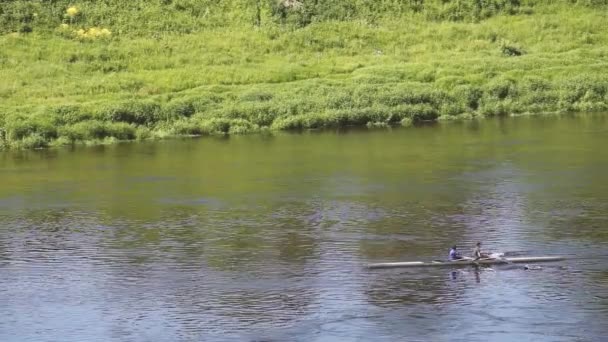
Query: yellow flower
[
  {"x": 72, "y": 11},
  {"x": 93, "y": 32},
  {"x": 64, "y": 26},
  {"x": 105, "y": 32}
]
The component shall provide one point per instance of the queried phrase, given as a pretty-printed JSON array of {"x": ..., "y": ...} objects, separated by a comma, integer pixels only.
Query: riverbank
[{"x": 77, "y": 83}]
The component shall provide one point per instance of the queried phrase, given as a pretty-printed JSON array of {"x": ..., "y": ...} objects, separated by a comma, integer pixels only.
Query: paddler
[
  {"x": 477, "y": 254},
  {"x": 454, "y": 254}
]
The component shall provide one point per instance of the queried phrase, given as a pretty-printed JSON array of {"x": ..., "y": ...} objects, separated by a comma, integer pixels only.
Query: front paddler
[{"x": 454, "y": 254}]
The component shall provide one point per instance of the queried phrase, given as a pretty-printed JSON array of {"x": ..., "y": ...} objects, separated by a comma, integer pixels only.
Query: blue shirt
[{"x": 454, "y": 255}]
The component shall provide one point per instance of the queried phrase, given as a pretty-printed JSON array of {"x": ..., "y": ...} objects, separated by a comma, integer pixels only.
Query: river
[{"x": 265, "y": 238}]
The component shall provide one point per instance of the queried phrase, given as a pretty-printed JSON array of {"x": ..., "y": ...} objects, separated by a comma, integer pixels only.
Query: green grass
[{"x": 219, "y": 70}]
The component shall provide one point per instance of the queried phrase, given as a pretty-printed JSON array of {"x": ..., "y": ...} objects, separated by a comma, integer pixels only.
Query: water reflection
[{"x": 424, "y": 286}]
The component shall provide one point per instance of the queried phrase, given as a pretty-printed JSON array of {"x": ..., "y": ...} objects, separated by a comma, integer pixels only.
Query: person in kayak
[
  {"x": 454, "y": 254},
  {"x": 478, "y": 254}
]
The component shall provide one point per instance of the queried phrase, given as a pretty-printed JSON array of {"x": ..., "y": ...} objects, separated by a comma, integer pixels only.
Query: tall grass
[{"x": 186, "y": 67}]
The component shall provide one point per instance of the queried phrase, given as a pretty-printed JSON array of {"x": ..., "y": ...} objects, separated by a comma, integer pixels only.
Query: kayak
[{"x": 465, "y": 262}]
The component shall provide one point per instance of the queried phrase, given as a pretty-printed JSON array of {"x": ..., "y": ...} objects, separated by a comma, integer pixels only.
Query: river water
[{"x": 265, "y": 238}]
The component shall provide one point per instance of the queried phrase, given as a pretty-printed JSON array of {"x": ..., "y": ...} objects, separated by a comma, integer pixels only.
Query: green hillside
[{"x": 101, "y": 71}]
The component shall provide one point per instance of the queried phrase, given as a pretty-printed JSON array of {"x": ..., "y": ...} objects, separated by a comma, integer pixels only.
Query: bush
[
  {"x": 500, "y": 108},
  {"x": 377, "y": 125},
  {"x": 584, "y": 89},
  {"x": 121, "y": 130},
  {"x": 535, "y": 83},
  {"x": 407, "y": 122},
  {"x": 177, "y": 109},
  {"x": 510, "y": 49},
  {"x": 240, "y": 126},
  {"x": 97, "y": 130},
  {"x": 297, "y": 122},
  {"x": 33, "y": 141},
  {"x": 18, "y": 16},
  {"x": 261, "y": 114},
  {"x": 500, "y": 89},
  {"x": 256, "y": 96},
  {"x": 348, "y": 117},
  {"x": 70, "y": 114},
  {"x": 301, "y": 13},
  {"x": 187, "y": 127},
  {"x": 417, "y": 112},
  {"x": 215, "y": 126},
  {"x": 288, "y": 122},
  {"x": 143, "y": 133},
  {"x": 468, "y": 95},
  {"x": 85, "y": 130},
  {"x": 469, "y": 10},
  {"x": 451, "y": 109},
  {"x": 134, "y": 112},
  {"x": 18, "y": 128}
]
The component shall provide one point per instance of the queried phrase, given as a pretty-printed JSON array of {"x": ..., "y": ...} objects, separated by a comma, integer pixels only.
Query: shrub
[
  {"x": 143, "y": 133},
  {"x": 296, "y": 122},
  {"x": 288, "y": 122},
  {"x": 470, "y": 96},
  {"x": 18, "y": 128},
  {"x": 584, "y": 89},
  {"x": 501, "y": 88},
  {"x": 417, "y": 112},
  {"x": 451, "y": 109},
  {"x": 261, "y": 114},
  {"x": 177, "y": 109},
  {"x": 33, "y": 141},
  {"x": 361, "y": 116},
  {"x": 135, "y": 112},
  {"x": 535, "y": 83},
  {"x": 85, "y": 130},
  {"x": 187, "y": 127},
  {"x": 121, "y": 130},
  {"x": 256, "y": 96},
  {"x": 499, "y": 108},
  {"x": 412, "y": 96},
  {"x": 407, "y": 122},
  {"x": 471, "y": 10},
  {"x": 377, "y": 125},
  {"x": 70, "y": 114},
  {"x": 340, "y": 101},
  {"x": 97, "y": 130},
  {"x": 241, "y": 126},
  {"x": 18, "y": 16},
  {"x": 301, "y": 13},
  {"x": 510, "y": 49},
  {"x": 215, "y": 125}
]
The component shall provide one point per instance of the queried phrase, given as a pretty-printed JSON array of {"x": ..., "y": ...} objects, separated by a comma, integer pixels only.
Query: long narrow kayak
[{"x": 465, "y": 262}]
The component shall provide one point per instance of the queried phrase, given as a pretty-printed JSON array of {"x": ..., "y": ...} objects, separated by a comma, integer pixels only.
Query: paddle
[
  {"x": 501, "y": 257},
  {"x": 491, "y": 256}
]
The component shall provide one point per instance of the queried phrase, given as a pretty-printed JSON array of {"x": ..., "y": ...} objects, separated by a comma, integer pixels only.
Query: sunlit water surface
[{"x": 265, "y": 238}]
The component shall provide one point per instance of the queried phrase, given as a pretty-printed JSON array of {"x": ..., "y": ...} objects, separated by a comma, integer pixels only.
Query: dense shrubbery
[
  {"x": 153, "y": 17},
  {"x": 387, "y": 104},
  {"x": 310, "y": 64}
]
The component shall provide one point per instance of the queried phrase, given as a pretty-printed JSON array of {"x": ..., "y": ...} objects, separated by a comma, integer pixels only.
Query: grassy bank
[{"x": 168, "y": 68}]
